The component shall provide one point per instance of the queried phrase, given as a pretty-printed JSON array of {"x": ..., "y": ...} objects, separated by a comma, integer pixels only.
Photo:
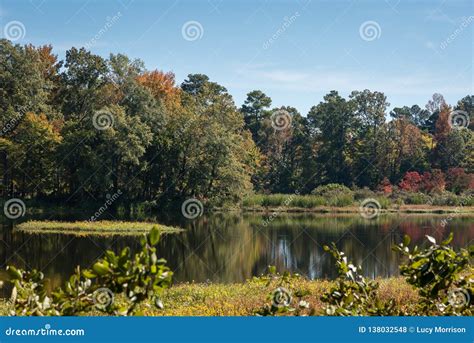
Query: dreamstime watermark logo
[
  {"x": 47, "y": 330},
  {"x": 103, "y": 298},
  {"x": 281, "y": 297},
  {"x": 281, "y": 120},
  {"x": 369, "y": 208},
  {"x": 192, "y": 30},
  {"x": 11, "y": 124},
  {"x": 103, "y": 120},
  {"x": 192, "y": 208},
  {"x": 465, "y": 23},
  {"x": 287, "y": 22},
  {"x": 457, "y": 210},
  {"x": 458, "y": 298},
  {"x": 275, "y": 213},
  {"x": 110, "y": 200},
  {"x": 110, "y": 21},
  {"x": 14, "y": 30},
  {"x": 370, "y": 30},
  {"x": 14, "y": 208},
  {"x": 458, "y": 119}
]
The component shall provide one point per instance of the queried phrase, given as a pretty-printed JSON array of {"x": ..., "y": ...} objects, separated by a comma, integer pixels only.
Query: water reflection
[{"x": 233, "y": 248}]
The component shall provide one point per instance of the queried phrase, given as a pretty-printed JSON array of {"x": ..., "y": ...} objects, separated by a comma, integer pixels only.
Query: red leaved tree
[
  {"x": 411, "y": 182},
  {"x": 433, "y": 182}
]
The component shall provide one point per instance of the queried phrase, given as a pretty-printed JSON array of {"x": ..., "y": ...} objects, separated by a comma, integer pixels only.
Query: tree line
[{"x": 83, "y": 128}]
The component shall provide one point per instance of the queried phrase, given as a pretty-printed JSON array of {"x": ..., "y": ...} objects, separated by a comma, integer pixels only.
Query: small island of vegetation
[{"x": 84, "y": 228}]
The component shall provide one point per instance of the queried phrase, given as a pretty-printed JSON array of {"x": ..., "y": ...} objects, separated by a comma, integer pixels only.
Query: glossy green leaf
[{"x": 154, "y": 236}]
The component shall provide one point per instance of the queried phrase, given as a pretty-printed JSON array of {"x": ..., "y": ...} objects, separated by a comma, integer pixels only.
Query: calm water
[{"x": 233, "y": 247}]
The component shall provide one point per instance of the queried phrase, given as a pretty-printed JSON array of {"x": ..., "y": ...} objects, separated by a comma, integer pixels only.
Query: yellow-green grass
[
  {"x": 347, "y": 204},
  {"x": 191, "y": 299},
  {"x": 83, "y": 228}
]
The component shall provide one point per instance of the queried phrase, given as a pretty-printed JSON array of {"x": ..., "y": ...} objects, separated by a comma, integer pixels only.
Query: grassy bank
[
  {"x": 355, "y": 209},
  {"x": 244, "y": 299},
  {"x": 347, "y": 203},
  {"x": 83, "y": 228}
]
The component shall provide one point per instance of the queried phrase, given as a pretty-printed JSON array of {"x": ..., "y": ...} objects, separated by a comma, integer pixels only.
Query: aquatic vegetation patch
[{"x": 103, "y": 227}]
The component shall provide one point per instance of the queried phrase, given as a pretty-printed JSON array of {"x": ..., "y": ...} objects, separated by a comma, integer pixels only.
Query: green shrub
[
  {"x": 447, "y": 199},
  {"x": 363, "y": 193},
  {"x": 468, "y": 193},
  {"x": 335, "y": 194},
  {"x": 467, "y": 200},
  {"x": 384, "y": 202},
  {"x": 331, "y": 189},
  {"x": 140, "y": 277},
  {"x": 398, "y": 201},
  {"x": 417, "y": 199},
  {"x": 444, "y": 277},
  {"x": 353, "y": 294}
]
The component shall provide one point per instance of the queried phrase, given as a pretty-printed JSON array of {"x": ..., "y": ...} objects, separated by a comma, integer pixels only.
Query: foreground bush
[
  {"x": 353, "y": 294},
  {"x": 138, "y": 278},
  {"x": 443, "y": 277}
]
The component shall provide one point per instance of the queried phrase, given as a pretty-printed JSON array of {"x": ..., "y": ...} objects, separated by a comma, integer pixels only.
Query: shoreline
[{"x": 407, "y": 209}]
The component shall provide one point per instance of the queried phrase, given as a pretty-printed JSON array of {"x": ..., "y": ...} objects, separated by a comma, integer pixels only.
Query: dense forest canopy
[{"x": 87, "y": 127}]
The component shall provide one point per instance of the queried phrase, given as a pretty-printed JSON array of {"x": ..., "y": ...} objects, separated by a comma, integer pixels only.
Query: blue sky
[{"x": 294, "y": 51}]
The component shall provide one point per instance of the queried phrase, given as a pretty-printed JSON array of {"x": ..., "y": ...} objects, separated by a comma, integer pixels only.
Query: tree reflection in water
[{"x": 232, "y": 248}]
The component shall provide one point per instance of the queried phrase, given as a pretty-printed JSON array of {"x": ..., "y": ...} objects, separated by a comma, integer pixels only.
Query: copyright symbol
[{"x": 411, "y": 329}]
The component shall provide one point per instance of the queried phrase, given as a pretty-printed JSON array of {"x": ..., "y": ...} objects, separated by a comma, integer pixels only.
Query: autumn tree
[{"x": 405, "y": 149}]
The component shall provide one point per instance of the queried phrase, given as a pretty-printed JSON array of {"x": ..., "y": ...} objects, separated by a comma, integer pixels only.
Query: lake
[{"x": 228, "y": 247}]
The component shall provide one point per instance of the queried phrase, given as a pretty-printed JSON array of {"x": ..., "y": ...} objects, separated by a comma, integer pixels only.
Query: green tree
[
  {"x": 255, "y": 111},
  {"x": 332, "y": 121},
  {"x": 34, "y": 143},
  {"x": 466, "y": 104},
  {"x": 369, "y": 120},
  {"x": 83, "y": 81},
  {"x": 415, "y": 114},
  {"x": 24, "y": 89},
  {"x": 434, "y": 107}
]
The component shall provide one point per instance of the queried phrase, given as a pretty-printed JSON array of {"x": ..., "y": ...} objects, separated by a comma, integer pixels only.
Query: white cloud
[
  {"x": 346, "y": 81},
  {"x": 440, "y": 17},
  {"x": 284, "y": 76}
]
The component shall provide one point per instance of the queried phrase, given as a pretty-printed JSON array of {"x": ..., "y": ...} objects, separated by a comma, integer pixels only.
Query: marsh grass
[
  {"x": 348, "y": 203},
  {"x": 286, "y": 200},
  {"x": 243, "y": 299},
  {"x": 298, "y": 201},
  {"x": 84, "y": 228}
]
